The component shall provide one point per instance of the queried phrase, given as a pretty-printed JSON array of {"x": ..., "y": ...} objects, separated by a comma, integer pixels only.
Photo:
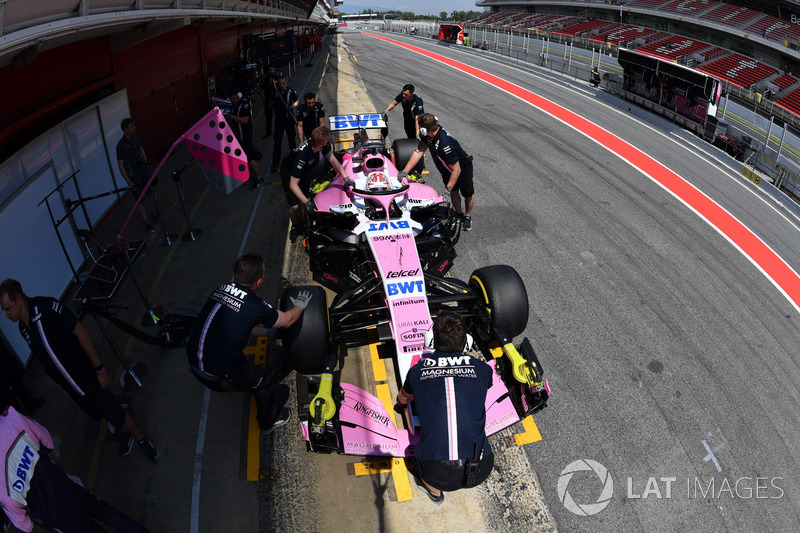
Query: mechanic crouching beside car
[{"x": 448, "y": 388}]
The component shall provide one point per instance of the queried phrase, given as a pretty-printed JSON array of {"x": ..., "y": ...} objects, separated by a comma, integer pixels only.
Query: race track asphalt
[{"x": 661, "y": 340}]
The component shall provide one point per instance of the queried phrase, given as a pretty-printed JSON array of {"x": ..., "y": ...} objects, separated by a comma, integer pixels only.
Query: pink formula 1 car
[{"x": 384, "y": 245}]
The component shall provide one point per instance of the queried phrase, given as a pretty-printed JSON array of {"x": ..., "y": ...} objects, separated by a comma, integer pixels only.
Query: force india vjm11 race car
[{"x": 384, "y": 245}]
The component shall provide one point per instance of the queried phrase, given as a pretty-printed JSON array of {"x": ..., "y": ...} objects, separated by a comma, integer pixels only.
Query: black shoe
[
  {"x": 154, "y": 217},
  {"x": 273, "y": 169},
  {"x": 125, "y": 443},
  {"x": 437, "y": 500},
  {"x": 148, "y": 227},
  {"x": 258, "y": 184},
  {"x": 468, "y": 223},
  {"x": 285, "y": 416},
  {"x": 149, "y": 449}
]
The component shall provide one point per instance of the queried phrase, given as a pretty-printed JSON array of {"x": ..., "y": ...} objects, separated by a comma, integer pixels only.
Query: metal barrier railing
[{"x": 536, "y": 49}]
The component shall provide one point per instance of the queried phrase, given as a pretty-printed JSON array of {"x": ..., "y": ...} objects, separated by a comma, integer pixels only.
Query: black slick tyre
[
  {"x": 306, "y": 342},
  {"x": 500, "y": 290}
]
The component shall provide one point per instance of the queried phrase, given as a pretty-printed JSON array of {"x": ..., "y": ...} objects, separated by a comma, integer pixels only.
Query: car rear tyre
[
  {"x": 500, "y": 290},
  {"x": 306, "y": 342},
  {"x": 403, "y": 148}
]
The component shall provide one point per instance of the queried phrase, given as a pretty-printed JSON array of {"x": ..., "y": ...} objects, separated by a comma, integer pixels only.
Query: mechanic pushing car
[
  {"x": 296, "y": 175},
  {"x": 412, "y": 110},
  {"x": 452, "y": 161},
  {"x": 448, "y": 388}
]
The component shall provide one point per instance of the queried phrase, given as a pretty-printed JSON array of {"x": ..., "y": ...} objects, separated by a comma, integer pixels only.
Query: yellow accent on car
[{"x": 323, "y": 401}]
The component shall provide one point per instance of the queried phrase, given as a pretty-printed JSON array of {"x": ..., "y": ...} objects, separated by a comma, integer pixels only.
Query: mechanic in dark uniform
[
  {"x": 63, "y": 347},
  {"x": 270, "y": 90},
  {"x": 132, "y": 163},
  {"x": 452, "y": 161},
  {"x": 296, "y": 170},
  {"x": 412, "y": 110},
  {"x": 240, "y": 120},
  {"x": 448, "y": 388},
  {"x": 37, "y": 488},
  {"x": 284, "y": 104},
  {"x": 231, "y": 315},
  {"x": 309, "y": 116}
]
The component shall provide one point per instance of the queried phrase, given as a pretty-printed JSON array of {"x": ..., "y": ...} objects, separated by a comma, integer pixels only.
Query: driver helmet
[{"x": 377, "y": 181}]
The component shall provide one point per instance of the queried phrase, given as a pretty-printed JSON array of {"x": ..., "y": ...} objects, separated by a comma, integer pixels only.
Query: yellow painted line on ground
[
  {"x": 253, "y": 465},
  {"x": 402, "y": 486},
  {"x": 368, "y": 468},
  {"x": 531, "y": 433},
  {"x": 378, "y": 367}
]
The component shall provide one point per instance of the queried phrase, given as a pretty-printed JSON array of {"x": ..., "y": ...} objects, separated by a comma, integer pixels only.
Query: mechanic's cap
[{"x": 377, "y": 181}]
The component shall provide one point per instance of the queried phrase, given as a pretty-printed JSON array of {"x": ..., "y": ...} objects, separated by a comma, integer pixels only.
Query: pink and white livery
[{"x": 383, "y": 244}]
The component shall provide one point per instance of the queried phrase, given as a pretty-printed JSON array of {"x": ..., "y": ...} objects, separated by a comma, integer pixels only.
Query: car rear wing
[{"x": 345, "y": 127}]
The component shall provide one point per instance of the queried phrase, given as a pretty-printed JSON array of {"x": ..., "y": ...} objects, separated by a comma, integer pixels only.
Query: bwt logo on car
[
  {"x": 400, "y": 224},
  {"x": 405, "y": 287},
  {"x": 23, "y": 468}
]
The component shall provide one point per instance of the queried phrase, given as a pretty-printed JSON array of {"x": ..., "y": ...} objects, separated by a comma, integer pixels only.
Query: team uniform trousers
[
  {"x": 129, "y": 151},
  {"x": 215, "y": 347},
  {"x": 449, "y": 390},
  {"x": 411, "y": 112},
  {"x": 446, "y": 151},
  {"x": 58, "y": 502},
  {"x": 37, "y": 488},
  {"x": 53, "y": 343},
  {"x": 284, "y": 124},
  {"x": 244, "y": 132}
]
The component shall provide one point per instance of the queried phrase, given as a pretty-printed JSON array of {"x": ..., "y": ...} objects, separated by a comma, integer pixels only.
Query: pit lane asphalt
[{"x": 657, "y": 335}]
